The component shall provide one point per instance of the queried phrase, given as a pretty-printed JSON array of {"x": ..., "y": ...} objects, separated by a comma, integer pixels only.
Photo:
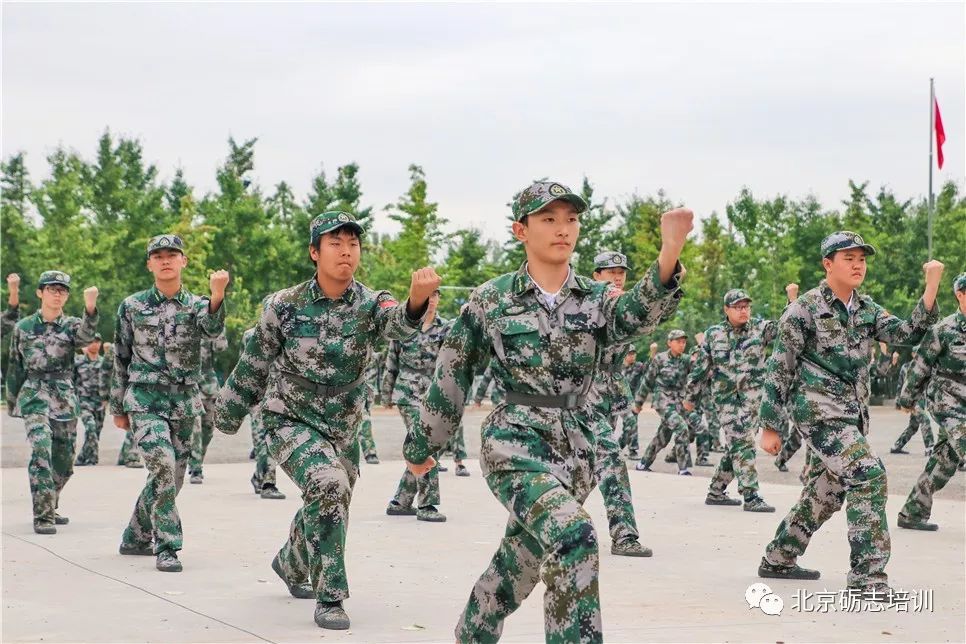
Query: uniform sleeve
[
  {"x": 390, "y": 372},
  {"x": 211, "y": 324},
  {"x": 123, "y": 347},
  {"x": 246, "y": 384},
  {"x": 104, "y": 378},
  {"x": 647, "y": 383},
  {"x": 782, "y": 366},
  {"x": 700, "y": 376},
  {"x": 86, "y": 329},
  {"x": 485, "y": 381},
  {"x": 920, "y": 369},
  {"x": 639, "y": 310},
  {"x": 9, "y": 318},
  {"x": 769, "y": 331},
  {"x": 441, "y": 410},
  {"x": 893, "y": 330},
  {"x": 220, "y": 343},
  {"x": 391, "y": 318},
  {"x": 16, "y": 371}
]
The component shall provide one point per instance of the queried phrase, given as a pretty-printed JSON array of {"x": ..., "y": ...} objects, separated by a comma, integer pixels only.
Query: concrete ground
[{"x": 409, "y": 580}]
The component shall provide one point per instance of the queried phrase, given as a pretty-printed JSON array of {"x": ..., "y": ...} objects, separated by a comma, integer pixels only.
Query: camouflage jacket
[
  {"x": 730, "y": 362},
  {"x": 209, "y": 346},
  {"x": 323, "y": 340},
  {"x": 157, "y": 341},
  {"x": 665, "y": 379},
  {"x": 534, "y": 349},
  {"x": 611, "y": 392},
  {"x": 9, "y": 317},
  {"x": 38, "y": 348},
  {"x": 410, "y": 363},
  {"x": 820, "y": 367},
  {"x": 635, "y": 375},
  {"x": 938, "y": 371},
  {"x": 91, "y": 380}
]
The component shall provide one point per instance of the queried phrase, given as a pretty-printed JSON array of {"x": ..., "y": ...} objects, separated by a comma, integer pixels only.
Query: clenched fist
[
  {"x": 771, "y": 441},
  {"x": 90, "y": 299},
  {"x": 218, "y": 282},
  {"x": 13, "y": 281},
  {"x": 424, "y": 282},
  {"x": 934, "y": 271},
  {"x": 420, "y": 469},
  {"x": 675, "y": 226},
  {"x": 791, "y": 290}
]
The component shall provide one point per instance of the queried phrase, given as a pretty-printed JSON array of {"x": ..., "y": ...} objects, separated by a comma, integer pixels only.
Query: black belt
[
  {"x": 173, "y": 388},
  {"x": 49, "y": 375},
  {"x": 323, "y": 390},
  {"x": 565, "y": 401}
]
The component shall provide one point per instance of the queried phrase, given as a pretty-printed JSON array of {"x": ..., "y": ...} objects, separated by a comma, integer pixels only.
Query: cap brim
[
  {"x": 600, "y": 268},
  {"x": 345, "y": 224},
  {"x": 575, "y": 200},
  {"x": 868, "y": 248},
  {"x": 744, "y": 299},
  {"x": 64, "y": 284},
  {"x": 157, "y": 250}
]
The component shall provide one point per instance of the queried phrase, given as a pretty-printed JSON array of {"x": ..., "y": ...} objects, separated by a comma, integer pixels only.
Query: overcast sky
[{"x": 698, "y": 99}]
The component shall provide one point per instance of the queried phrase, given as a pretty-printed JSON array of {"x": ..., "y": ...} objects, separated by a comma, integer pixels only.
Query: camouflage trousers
[
  {"x": 424, "y": 490},
  {"x": 673, "y": 426},
  {"x": 550, "y": 538},
  {"x": 315, "y": 550},
  {"x": 946, "y": 456},
  {"x": 918, "y": 422},
  {"x": 264, "y": 462},
  {"x": 615, "y": 487},
  {"x": 702, "y": 435},
  {"x": 840, "y": 467},
  {"x": 713, "y": 424},
  {"x": 128, "y": 452},
  {"x": 51, "y": 461},
  {"x": 630, "y": 436},
  {"x": 791, "y": 442},
  {"x": 201, "y": 436},
  {"x": 92, "y": 419},
  {"x": 738, "y": 421},
  {"x": 457, "y": 444},
  {"x": 366, "y": 440},
  {"x": 165, "y": 444}
]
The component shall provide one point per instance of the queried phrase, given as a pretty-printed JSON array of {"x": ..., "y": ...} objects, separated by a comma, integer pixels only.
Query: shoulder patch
[{"x": 385, "y": 300}]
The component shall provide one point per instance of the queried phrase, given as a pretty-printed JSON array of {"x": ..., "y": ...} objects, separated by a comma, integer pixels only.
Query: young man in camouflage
[
  {"x": 819, "y": 372},
  {"x": 155, "y": 390},
  {"x": 263, "y": 480},
  {"x": 373, "y": 379},
  {"x": 918, "y": 419},
  {"x": 665, "y": 378},
  {"x": 729, "y": 366},
  {"x": 544, "y": 330},
  {"x": 306, "y": 364},
  {"x": 409, "y": 366},
  {"x": 610, "y": 396},
  {"x": 205, "y": 427},
  {"x": 938, "y": 373},
  {"x": 92, "y": 382},
  {"x": 40, "y": 389},
  {"x": 12, "y": 313}
]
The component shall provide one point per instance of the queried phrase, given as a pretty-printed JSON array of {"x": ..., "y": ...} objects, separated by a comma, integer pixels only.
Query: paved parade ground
[{"x": 409, "y": 580}]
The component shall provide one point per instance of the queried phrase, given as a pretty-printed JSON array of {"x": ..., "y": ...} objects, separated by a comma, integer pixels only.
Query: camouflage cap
[
  {"x": 160, "y": 242},
  {"x": 539, "y": 194},
  {"x": 53, "y": 277},
  {"x": 332, "y": 220},
  {"x": 736, "y": 295},
  {"x": 844, "y": 240},
  {"x": 675, "y": 334},
  {"x": 97, "y": 337},
  {"x": 610, "y": 259},
  {"x": 959, "y": 284}
]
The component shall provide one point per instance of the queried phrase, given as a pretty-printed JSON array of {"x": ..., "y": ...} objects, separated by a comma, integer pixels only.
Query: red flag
[{"x": 940, "y": 135}]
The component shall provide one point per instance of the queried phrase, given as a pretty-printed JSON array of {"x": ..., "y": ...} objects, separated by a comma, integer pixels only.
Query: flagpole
[{"x": 932, "y": 127}]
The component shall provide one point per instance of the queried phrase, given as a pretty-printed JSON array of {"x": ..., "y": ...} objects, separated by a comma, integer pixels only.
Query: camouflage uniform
[
  {"x": 633, "y": 375},
  {"x": 918, "y": 419},
  {"x": 306, "y": 364},
  {"x": 265, "y": 466},
  {"x": 497, "y": 393},
  {"x": 409, "y": 366},
  {"x": 9, "y": 317},
  {"x": 205, "y": 427},
  {"x": 665, "y": 378},
  {"x": 91, "y": 381},
  {"x": 539, "y": 448},
  {"x": 128, "y": 454},
  {"x": 820, "y": 371},
  {"x": 704, "y": 439},
  {"x": 729, "y": 367},
  {"x": 40, "y": 389},
  {"x": 373, "y": 378},
  {"x": 157, "y": 375},
  {"x": 938, "y": 372}
]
